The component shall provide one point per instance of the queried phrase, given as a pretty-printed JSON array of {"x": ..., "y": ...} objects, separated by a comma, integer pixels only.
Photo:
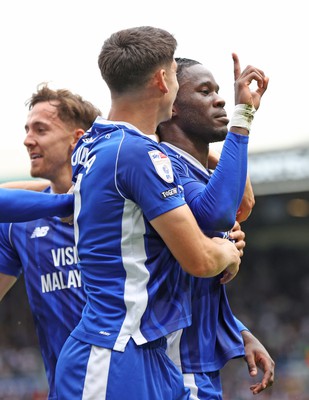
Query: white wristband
[{"x": 243, "y": 116}]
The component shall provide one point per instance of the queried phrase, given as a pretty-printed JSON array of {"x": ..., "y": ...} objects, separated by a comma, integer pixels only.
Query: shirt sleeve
[
  {"x": 9, "y": 260},
  {"x": 240, "y": 325},
  {"x": 215, "y": 204},
  {"x": 150, "y": 181},
  {"x": 18, "y": 205}
]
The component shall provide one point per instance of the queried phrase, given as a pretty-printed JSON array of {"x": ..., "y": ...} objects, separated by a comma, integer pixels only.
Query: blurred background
[
  {"x": 58, "y": 42},
  {"x": 270, "y": 294}
]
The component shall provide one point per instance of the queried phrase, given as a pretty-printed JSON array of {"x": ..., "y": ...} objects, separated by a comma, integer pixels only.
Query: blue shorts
[
  {"x": 204, "y": 386},
  {"x": 144, "y": 372}
]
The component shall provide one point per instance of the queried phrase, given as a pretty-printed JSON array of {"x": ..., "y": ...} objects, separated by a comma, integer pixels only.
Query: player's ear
[
  {"x": 160, "y": 79},
  {"x": 174, "y": 111},
  {"x": 76, "y": 136}
]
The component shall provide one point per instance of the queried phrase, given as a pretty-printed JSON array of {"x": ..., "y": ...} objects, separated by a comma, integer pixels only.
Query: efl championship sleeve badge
[{"x": 162, "y": 165}]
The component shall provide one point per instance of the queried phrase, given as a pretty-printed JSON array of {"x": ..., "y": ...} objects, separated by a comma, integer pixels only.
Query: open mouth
[{"x": 35, "y": 156}]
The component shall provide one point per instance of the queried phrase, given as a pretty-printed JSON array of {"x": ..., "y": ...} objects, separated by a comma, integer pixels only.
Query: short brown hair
[
  {"x": 72, "y": 108},
  {"x": 128, "y": 57}
]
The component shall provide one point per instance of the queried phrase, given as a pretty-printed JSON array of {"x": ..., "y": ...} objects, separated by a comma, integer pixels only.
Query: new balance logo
[
  {"x": 104, "y": 333},
  {"x": 40, "y": 231}
]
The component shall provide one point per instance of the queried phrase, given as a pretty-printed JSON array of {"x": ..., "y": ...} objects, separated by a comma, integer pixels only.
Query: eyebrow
[
  {"x": 35, "y": 124},
  {"x": 209, "y": 83}
]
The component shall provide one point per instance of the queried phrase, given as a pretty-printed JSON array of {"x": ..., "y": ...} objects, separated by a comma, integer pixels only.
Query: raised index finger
[{"x": 237, "y": 70}]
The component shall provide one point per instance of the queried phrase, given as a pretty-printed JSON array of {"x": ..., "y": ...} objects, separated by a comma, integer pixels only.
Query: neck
[
  {"x": 198, "y": 149},
  {"x": 144, "y": 112},
  {"x": 143, "y": 122},
  {"x": 62, "y": 182},
  {"x": 60, "y": 187}
]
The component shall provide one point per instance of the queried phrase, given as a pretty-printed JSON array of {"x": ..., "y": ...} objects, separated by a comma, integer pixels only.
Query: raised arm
[{"x": 215, "y": 205}]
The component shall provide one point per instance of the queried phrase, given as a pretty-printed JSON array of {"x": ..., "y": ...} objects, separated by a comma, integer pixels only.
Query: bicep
[{"x": 183, "y": 237}]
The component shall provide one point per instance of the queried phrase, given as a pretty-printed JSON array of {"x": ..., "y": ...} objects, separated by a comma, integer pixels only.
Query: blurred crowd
[
  {"x": 22, "y": 375},
  {"x": 271, "y": 296}
]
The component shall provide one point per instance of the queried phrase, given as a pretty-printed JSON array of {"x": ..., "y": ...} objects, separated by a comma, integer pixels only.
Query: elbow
[
  {"x": 227, "y": 223},
  {"x": 223, "y": 224}
]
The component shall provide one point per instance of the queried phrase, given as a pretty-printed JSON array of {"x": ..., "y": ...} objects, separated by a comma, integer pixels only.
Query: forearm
[
  {"x": 38, "y": 186},
  {"x": 17, "y": 205},
  {"x": 216, "y": 207},
  {"x": 197, "y": 254}
]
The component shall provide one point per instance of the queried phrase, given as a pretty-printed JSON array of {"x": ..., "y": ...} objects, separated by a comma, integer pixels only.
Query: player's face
[
  {"x": 172, "y": 84},
  {"x": 199, "y": 108},
  {"x": 49, "y": 142}
]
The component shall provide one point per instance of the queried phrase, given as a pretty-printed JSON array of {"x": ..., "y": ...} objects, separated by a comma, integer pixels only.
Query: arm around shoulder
[
  {"x": 38, "y": 186},
  {"x": 18, "y": 205},
  {"x": 196, "y": 253}
]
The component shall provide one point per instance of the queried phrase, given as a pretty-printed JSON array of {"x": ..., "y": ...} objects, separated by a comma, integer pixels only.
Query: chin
[
  {"x": 218, "y": 137},
  {"x": 35, "y": 174},
  {"x": 167, "y": 118}
]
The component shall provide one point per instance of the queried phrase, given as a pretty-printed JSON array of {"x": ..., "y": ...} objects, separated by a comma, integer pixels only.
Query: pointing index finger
[{"x": 237, "y": 70}]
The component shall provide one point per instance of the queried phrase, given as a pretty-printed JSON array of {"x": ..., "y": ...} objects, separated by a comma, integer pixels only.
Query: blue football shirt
[
  {"x": 214, "y": 336},
  {"x": 135, "y": 287},
  {"x": 44, "y": 251}
]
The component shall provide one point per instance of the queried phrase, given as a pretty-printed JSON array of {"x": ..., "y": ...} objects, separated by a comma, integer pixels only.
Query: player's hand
[
  {"x": 232, "y": 269},
  {"x": 243, "y": 80},
  {"x": 238, "y": 236},
  {"x": 256, "y": 356},
  {"x": 68, "y": 220}
]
